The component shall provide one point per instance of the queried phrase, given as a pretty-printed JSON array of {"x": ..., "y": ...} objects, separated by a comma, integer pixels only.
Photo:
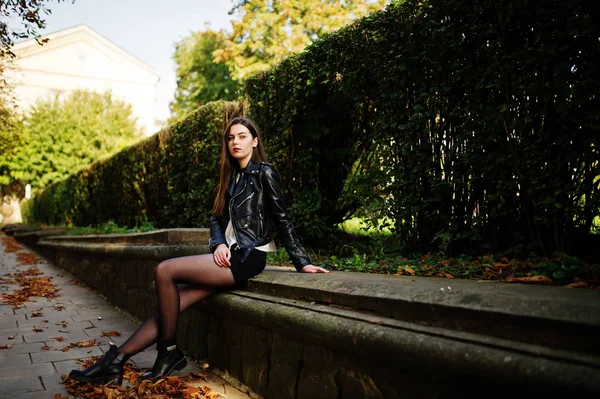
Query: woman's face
[{"x": 240, "y": 143}]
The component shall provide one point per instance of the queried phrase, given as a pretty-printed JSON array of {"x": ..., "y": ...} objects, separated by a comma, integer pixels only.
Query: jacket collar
[{"x": 251, "y": 168}]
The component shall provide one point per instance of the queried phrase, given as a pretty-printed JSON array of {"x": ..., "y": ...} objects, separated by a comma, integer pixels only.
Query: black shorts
[{"x": 254, "y": 264}]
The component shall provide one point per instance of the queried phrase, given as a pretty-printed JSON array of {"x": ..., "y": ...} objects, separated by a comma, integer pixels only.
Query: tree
[
  {"x": 61, "y": 136},
  {"x": 31, "y": 18},
  {"x": 8, "y": 117},
  {"x": 199, "y": 78},
  {"x": 270, "y": 30}
]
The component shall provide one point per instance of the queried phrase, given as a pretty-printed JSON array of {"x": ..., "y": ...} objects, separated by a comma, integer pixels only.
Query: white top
[{"x": 230, "y": 237}]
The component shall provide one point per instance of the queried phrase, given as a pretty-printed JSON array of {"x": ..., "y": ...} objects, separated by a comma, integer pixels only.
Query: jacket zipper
[
  {"x": 246, "y": 199},
  {"x": 237, "y": 239}
]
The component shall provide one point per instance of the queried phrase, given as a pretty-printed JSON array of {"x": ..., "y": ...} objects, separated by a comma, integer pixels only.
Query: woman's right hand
[{"x": 221, "y": 255}]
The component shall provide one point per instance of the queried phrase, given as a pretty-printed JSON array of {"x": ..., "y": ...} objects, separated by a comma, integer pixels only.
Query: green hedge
[
  {"x": 167, "y": 179},
  {"x": 473, "y": 126}
]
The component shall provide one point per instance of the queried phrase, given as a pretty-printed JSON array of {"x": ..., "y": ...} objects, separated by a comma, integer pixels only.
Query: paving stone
[
  {"x": 72, "y": 353},
  {"x": 11, "y": 319},
  {"x": 31, "y": 369},
  {"x": 11, "y": 386},
  {"x": 65, "y": 366},
  {"x": 15, "y": 360},
  {"x": 43, "y": 394},
  {"x": 52, "y": 382},
  {"x": 20, "y": 348}
]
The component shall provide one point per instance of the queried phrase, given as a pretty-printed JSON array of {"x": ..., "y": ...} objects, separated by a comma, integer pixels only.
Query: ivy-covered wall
[{"x": 469, "y": 125}]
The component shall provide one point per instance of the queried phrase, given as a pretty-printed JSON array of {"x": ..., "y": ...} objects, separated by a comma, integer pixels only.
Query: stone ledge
[
  {"x": 555, "y": 317},
  {"x": 390, "y": 342},
  {"x": 391, "y": 334},
  {"x": 156, "y": 252},
  {"x": 166, "y": 236}
]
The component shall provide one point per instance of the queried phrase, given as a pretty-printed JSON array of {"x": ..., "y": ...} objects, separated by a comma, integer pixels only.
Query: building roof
[{"x": 80, "y": 32}]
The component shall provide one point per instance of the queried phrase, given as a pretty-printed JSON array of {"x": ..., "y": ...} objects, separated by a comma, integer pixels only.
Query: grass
[
  {"x": 359, "y": 226},
  {"x": 111, "y": 227}
]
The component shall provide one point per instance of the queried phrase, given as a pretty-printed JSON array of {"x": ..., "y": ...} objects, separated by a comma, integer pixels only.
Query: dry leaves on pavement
[
  {"x": 10, "y": 244},
  {"x": 32, "y": 285},
  {"x": 137, "y": 388},
  {"x": 27, "y": 258},
  {"x": 81, "y": 344}
]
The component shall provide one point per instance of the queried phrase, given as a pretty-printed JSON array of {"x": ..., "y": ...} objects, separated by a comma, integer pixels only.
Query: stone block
[
  {"x": 218, "y": 351},
  {"x": 256, "y": 351},
  {"x": 317, "y": 378},
  {"x": 235, "y": 342},
  {"x": 285, "y": 366}
]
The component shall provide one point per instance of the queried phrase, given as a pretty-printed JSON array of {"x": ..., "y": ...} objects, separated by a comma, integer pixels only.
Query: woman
[{"x": 248, "y": 205}]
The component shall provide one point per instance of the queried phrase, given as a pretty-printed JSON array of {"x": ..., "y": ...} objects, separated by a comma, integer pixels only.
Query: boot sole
[
  {"x": 112, "y": 379},
  {"x": 180, "y": 365}
]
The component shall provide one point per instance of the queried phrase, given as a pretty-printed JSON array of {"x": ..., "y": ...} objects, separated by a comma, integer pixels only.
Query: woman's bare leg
[{"x": 199, "y": 270}]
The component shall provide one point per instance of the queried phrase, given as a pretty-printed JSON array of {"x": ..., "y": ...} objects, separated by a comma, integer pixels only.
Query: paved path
[{"x": 26, "y": 370}]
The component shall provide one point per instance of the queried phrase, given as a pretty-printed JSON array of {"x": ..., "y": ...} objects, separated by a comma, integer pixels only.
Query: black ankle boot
[
  {"x": 108, "y": 369},
  {"x": 169, "y": 358}
]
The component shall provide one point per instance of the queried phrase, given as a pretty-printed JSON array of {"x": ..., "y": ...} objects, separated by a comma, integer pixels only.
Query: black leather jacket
[{"x": 255, "y": 205}]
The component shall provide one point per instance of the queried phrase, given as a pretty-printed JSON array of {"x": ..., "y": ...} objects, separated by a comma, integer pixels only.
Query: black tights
[{"x": 199, "y": 270}]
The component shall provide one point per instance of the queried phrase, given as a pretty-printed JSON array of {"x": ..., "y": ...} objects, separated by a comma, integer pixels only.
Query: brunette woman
[{"x": 249, "y": 205}]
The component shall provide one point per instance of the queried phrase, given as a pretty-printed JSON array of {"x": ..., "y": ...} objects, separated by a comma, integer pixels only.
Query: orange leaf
[
  {"x": 110, "y": 334},
  {"x": 579, "y": 284},
  {"x": 530, "y": 280}
]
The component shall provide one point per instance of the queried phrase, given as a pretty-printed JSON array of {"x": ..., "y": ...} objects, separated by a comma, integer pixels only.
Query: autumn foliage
[{"x": 135, "y": 387}]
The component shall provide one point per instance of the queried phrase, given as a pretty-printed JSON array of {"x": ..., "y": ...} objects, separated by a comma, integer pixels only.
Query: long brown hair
[{"x": 229, "y": 163}]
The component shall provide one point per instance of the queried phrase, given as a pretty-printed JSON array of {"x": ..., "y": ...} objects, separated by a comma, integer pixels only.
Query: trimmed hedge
[
  {"x": 473, "y": 126},
  {"x": 167, "y": 179}
]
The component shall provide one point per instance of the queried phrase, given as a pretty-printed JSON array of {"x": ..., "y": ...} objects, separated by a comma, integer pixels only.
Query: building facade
[{"x": 79, "y": 58}]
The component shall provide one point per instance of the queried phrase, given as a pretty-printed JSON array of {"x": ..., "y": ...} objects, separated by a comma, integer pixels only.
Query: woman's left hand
[{"x": 314, "y": 269}]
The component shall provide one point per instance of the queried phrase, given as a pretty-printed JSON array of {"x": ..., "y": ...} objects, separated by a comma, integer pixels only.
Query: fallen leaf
[
  {"x": 531, "y": 280},
  {"x": 12, "y": 336},
  {"x": 406, "y": 270},
  {"x": 37, "y": 314},
  {"x": 45, "y": 348},
  {"x": 110, "y": 334},
  {"x": 7, "y": 346},
  {"x": 35, "y": 329},
  {"x": 579, "y": 284}
]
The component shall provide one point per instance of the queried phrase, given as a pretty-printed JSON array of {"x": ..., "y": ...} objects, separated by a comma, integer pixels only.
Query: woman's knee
[{"x": 163, "y": 270}]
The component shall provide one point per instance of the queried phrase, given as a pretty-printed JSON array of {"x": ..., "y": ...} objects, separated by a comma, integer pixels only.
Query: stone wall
[{"x": 348, "y": 335}]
